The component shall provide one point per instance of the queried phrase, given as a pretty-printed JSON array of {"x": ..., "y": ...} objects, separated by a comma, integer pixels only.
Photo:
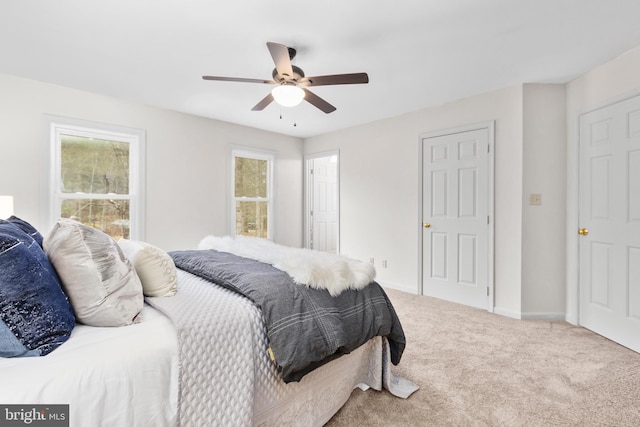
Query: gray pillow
[
  {"x": 101, "y": 283},
  {"x": 35, "y": 315}
]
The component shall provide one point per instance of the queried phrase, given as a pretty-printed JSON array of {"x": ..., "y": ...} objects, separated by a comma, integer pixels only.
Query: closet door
[
  {"x": 455, "y": 244},
  {"x": 609, "y": 221}
]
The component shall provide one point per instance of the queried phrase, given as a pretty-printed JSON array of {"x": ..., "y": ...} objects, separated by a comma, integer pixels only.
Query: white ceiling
[{"x": 418, "y": 53}]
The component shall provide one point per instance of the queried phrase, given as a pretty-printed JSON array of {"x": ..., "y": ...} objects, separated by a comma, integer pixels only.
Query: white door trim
[
  {"x": 308, "y": 194},
  {"x": 573, "y": 190},
  {"x": 490, "y": 126}
]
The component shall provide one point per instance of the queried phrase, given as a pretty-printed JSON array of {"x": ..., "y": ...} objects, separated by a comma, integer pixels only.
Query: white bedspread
[
  {"x": 217, "y": 331},
  {"x": 116, "y": 377}
]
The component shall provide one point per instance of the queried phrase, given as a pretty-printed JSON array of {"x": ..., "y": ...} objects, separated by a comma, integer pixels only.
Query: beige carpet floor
[{"x": 480, "y": 369}]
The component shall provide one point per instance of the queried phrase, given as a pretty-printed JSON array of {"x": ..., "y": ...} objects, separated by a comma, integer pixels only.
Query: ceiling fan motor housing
[{"x": 298, "y": 74}]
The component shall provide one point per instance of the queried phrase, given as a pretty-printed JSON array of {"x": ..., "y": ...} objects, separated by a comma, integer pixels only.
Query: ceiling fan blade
[
  {"x": 318, "y": 102},
  {"x": 238, "y": 79},
  {"x": 263, "y": 103},
  {"x": 280, "y": 55},
  {"x": 335, "y": 79}
]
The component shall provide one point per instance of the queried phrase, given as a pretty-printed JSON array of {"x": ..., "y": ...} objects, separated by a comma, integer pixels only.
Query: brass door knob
[
  {"x": 427, "y": 225},
  {"x": 583, "y": 231}
]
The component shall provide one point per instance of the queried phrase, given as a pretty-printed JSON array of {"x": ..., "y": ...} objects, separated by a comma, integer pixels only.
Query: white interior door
[
  {"x": 456, "y": 228},
  {"x": 609, "y": 219},
  {"x": 323, "y": 202}
]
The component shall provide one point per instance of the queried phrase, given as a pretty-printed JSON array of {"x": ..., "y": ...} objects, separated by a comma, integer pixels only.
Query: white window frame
[
  {"x": 136, "y": 138},
  {"x": 252, "y": 153}
]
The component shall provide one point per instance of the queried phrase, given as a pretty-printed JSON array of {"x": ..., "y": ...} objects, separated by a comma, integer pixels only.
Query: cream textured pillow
[
  {"x": 156, "y": 269},
  {"x": 99, "y": 280}
]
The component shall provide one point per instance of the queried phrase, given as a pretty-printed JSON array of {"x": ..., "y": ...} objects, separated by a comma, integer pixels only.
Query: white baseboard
[
  {"x": 507, "y": 313},
  {"x": 529, "y": 316},
  {"x": 398, "y": 287},
  {"x": 543, "y": 316}
]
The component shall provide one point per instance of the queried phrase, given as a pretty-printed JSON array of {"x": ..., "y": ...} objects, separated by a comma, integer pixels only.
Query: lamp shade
[
  {"x": 6, "y": 206},
  {"x": 288, "y": 95}
]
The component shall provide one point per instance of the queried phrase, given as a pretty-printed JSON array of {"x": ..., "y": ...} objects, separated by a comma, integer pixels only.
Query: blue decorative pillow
[
  {"x": 27, "y": 228},
  {"x": 35, "y": 314}
]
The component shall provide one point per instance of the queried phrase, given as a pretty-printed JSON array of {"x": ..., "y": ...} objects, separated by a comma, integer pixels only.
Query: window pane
[
  {"x": 251, "y": 219},
  {"x": 251, "y": 177},
  {"x": 94, "y": 166},
  {"x": 110, "y": 216}
]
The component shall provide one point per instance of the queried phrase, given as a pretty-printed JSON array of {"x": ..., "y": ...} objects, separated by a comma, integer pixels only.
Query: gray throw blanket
[{"x": 306, "y": 327}]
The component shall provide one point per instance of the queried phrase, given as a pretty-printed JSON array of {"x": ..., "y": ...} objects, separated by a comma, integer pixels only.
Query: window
[
  {"x": 97, "y": 176},
  {"x": 252, "y": 199}
]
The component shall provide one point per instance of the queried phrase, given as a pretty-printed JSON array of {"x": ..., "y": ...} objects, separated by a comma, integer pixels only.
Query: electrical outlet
[{"x": 384, "y": 263}]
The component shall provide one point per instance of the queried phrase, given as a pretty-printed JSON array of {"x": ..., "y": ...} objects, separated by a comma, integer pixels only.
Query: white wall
[
  {"x": 379, "y": 177},
  {"x": 543, "y": 226},
  {"x": 611, "y": 82},
  {"x": 187, "y": 160}
]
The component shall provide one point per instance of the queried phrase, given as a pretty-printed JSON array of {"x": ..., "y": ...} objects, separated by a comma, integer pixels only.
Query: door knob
[
  {"x": 583, "y": 231},
  {"x": 427, "y": 225}
]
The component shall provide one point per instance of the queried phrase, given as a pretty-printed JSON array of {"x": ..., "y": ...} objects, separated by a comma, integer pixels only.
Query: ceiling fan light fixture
[{"x": 287, "y": 95}]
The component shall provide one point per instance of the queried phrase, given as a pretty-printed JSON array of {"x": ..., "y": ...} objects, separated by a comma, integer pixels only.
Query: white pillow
[
  {"x": 155, "y": 268},
  {"x": 99, "y": 280}
]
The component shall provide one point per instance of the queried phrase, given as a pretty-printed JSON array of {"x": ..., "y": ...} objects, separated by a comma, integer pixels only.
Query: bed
[{"x": 202, "y": 356}]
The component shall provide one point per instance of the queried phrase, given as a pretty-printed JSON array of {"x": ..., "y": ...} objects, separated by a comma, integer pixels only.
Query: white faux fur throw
[{"x": 319, "y": 270}]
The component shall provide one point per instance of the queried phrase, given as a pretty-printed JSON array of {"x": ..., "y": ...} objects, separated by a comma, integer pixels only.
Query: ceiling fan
[{"x": 291, "y": 82}]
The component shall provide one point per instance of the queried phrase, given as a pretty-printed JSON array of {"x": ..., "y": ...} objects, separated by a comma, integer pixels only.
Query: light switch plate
[{"x": 535, "y": 199}]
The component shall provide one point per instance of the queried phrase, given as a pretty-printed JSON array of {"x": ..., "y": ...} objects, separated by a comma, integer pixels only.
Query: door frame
[
  {"x": 490, "y": 127},
  {"x": 572, "y": 314},
  {"x": 308, "y": 194}
]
